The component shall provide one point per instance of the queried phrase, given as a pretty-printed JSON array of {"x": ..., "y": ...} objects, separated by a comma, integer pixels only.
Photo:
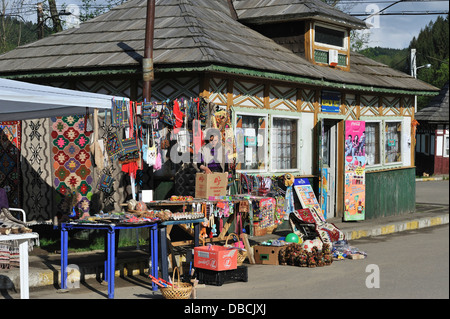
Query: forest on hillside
[{"x": 432, "y": 47}]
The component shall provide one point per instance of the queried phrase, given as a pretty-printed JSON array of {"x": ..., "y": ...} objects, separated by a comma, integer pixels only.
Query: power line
[{"x": 402, "y": 13}]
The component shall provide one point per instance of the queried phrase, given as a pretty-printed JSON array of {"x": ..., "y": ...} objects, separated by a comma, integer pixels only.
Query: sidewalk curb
[
  {"x": 395, "y": 227},
  {"x": 38, "y": 277},
  {"x": 427, "y": 179}
]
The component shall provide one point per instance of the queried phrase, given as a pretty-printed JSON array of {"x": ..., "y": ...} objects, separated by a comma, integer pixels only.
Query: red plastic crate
[{"x": 215, "y": 257}]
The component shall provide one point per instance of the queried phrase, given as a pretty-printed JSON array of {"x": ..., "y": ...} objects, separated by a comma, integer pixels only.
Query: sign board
[
  {"x": 306, "y": 195},
  {"x": 355, "y": 164},
  {"x": 331, "y": 101}
]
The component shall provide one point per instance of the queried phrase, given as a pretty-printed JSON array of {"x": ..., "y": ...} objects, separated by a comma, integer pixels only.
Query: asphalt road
[
  {"x": 406, "y": 265},
  {"x": 433, "y": 192}
]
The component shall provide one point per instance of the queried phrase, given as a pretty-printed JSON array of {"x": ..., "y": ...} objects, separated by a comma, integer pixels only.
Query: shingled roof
[
  {"x": 189, "y": 35},
  {"x": 437, "y": 111},
  {"x": 266, "y": 11}
]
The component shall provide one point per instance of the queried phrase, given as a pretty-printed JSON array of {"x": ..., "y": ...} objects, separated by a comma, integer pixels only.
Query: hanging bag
[
  {"x": 167, "y": 114},
  {"x": 242, "y": 253},
  {"x": 151, "y": 155},
  {"x": 105, "y": 184},
  {"x": 147, "y": 113}
]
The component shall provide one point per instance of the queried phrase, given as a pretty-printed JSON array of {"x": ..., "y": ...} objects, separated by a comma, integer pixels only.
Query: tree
[{"x": 432, "y": 47}]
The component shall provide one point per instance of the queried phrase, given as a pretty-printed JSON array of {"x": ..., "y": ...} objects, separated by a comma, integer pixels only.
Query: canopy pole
[{"x": 147, "y": 61}]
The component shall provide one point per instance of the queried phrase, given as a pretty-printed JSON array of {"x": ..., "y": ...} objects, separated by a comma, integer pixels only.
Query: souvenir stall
[
  {"x": 214, "y": 206},
  {"x": 21, "y": 101}
]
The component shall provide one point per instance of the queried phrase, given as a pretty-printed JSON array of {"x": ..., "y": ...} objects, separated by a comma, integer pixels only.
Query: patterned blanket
[{"x": 327, "y": 232}]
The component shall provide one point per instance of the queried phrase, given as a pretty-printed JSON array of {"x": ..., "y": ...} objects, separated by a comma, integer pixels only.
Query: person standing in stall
[{"x": 211, "y": 154}]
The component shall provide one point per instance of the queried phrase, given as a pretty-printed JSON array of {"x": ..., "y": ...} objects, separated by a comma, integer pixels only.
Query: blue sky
[{"x": 396, "y": 31}]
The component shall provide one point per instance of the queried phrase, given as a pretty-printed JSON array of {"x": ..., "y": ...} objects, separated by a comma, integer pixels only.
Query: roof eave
[
  {"x": 216, "y": 68},
  {"x": 301, "y": 17}
]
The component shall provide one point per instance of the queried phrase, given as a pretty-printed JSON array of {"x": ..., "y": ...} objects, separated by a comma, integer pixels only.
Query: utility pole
[
  {"x": 413, "y": 63},
  {"x": 414, "y": 73},
  {"x": 147, "y": 65},
  {"x": 40, "y": 21},
  {"x": 147, "y": 61}
]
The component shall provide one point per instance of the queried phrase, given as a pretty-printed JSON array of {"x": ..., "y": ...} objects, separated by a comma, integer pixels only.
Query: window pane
[
  {"x": 284, "y": 144},
  {"x": 329, "y": 36},
  {"x": 372, "y": 143},
  {"x": 393, "y": 142},
  {"x": 253, "y": 149},
  {"x": 446, "y": 147}
]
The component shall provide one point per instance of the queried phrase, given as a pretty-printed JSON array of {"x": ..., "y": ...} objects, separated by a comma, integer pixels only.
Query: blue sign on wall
[{"x": 331, "y": 101}]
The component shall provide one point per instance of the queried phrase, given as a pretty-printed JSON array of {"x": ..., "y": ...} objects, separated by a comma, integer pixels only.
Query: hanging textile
[
  {"x": 10, "y": 149},
  {"x": 72, "y": 163},
  {"x": 36, "y": 170}
]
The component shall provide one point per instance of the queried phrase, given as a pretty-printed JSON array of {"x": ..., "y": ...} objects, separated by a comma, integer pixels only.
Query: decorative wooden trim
[
  {"x": 204, "y": 84},
  {"x": 299, "y": 100},
  {"x": 340, "y": 169},
  {"x": 308, "y": 40},
  {"x": 230, "y": 85},
  {"x": 266, "y": 98}
]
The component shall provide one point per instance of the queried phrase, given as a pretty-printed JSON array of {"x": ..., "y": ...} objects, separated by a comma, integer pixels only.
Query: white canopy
[{"x": 21, "y": 101}]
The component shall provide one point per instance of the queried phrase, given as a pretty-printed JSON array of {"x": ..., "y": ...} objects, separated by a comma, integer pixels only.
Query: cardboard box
[
  {"x": 267, "y": 255},
  {"x": 214, "y": 184},
  {"x": 215, "y": 257}
]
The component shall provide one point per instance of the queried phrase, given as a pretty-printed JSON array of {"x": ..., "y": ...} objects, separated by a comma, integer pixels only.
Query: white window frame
[
  {"x": 405, "y": 161},
  {"x": 320, "y": 44},
  {"x": 384, "y": 143},
  {"x": 446, "y": 146},
  {"x": 380, "y": 144},
  {"x": 266, "y": 156},
  {"x": 271, "y": 150}
]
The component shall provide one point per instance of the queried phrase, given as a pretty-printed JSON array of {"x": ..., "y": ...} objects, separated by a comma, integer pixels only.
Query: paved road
[
  {"x": 411, "y": 264},
  {"x": 432, "y": 192}
]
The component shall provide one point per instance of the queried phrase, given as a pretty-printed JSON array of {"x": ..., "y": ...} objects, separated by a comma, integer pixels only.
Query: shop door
[{"x": 328, "y": 167}]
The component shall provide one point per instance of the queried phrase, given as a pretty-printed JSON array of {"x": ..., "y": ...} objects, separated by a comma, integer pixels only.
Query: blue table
[{"x": 110, "y": 263}]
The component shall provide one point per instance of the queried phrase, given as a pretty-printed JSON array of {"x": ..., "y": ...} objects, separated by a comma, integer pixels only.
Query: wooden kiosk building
[{"x": 285, "y": 66}]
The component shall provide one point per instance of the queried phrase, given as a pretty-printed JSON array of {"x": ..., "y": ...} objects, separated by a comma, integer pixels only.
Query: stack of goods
[
  {"x": 185, "y": 216},
  {"x": 297, "y": 255},
  {"x": 118, "y": 218},
  {"x": 141, "y": 210},
  {"x": 175, "y": 198},
  {"x": 342, "y": 250}
]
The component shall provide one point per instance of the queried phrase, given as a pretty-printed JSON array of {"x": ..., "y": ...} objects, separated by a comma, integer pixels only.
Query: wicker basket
[
  {"x": 271, "y": 229},
  {"x": 179, "y": 290},
  {"x": 242, "y": 253}
]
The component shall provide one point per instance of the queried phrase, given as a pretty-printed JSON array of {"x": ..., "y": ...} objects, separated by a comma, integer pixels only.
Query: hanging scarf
[{"x": 177, "y": 114}]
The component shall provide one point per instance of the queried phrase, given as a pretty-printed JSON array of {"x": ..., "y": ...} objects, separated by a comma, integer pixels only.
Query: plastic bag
[{"x": 342, "y": 250}]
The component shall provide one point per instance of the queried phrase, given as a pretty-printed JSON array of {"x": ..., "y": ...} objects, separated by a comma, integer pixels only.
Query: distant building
[{"x": 432, "y": 141}]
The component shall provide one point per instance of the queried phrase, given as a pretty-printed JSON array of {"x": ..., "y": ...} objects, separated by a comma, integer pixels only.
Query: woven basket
[
  {"x": 242, "y": 253},
  {"x": 271, "y": 229},
  {"x": 179, "y": 290}
]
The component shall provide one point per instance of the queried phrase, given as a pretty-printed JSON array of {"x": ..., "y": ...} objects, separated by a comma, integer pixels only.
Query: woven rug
[
  {"x": 71, "y": 163},
  {"x": 36, "y": 171},
  {"x": 10, "y": 177}
]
